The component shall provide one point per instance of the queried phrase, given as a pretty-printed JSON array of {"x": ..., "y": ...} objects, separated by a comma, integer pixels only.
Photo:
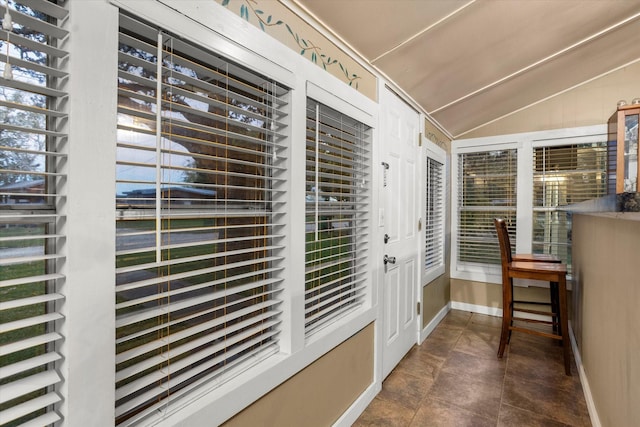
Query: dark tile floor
[{"x": 455, "y": 379}]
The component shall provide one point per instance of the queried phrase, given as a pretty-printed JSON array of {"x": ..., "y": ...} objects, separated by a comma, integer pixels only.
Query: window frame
[
  {"x": 438, "y": 154},
  {"x": 359, "y": 220},
  {"x": 215, "y": 290}
]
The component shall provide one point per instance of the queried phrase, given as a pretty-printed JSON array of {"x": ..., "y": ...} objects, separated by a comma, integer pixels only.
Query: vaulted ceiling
[{"x": 470, "y": 62}]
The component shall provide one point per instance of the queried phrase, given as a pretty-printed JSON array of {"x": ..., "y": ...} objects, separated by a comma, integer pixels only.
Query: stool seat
[
  {"x": 537, "y": 270},
  {"x": 525, "y": 267},
  {"x": 535, "y": 257}
]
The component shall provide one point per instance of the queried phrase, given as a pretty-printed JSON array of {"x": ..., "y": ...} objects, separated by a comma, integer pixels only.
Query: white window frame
[
  {"x": 439, "y": 155},
  {"x": 525, "y": 143},
  {"x": 260, "y": 199},
  {"x": 342, "y": 106}
]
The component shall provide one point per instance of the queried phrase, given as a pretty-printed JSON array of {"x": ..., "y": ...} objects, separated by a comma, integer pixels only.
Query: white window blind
[
  {"x": 337, "y": 225},
  {"x": 32, "y": 143},
  {"x": 434, "y": 224},
  {"x": 564, "y": 175},
  {"x": 201, "y": 159},
  {"x": 486, "y": 190}
]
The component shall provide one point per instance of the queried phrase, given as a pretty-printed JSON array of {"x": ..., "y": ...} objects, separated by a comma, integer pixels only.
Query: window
[
  {"x": 552, "y": 170},
  {"x": 434, "y": 222},
  {"x": 32, "y": 143},
  {"x": 564, "y": 175},
  {"x": 337, "y": 183},
  {"x": 200, "y": 186},
  {"x": 486, "y": 189}
]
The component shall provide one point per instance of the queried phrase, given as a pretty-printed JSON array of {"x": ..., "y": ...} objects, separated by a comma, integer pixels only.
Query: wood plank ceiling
[{"x": 470, "y": 62}]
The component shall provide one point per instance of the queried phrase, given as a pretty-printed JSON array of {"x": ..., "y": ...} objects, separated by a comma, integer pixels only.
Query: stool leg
[
  {"x": 511, "y": 310},
  {"x": 553, "y": 294},
  {"x": 564, "y": 324},
  {"x": 507, "y": 310}
]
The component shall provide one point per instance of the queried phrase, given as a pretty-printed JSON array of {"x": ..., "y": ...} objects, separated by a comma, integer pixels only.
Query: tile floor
[{"x": 455, "y": 379}]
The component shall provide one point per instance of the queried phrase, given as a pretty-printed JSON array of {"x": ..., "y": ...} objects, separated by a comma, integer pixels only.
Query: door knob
[{"x": 389, "y": 259}]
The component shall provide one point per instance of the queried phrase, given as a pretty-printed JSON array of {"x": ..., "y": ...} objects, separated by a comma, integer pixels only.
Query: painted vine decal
[{"x": 249, "y": 8}]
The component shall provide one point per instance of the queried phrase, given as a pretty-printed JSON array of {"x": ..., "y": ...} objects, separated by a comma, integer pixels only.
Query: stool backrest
[{"x": 503, "y": 238}]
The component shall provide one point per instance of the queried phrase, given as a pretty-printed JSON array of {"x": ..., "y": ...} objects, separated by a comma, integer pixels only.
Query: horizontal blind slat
[
  {"x": 29, "y": 342},
  {"x": 30, "y": 279},
  {"x": 30, "y": 321},
  {"x": 28, "y": 364},
  {"x": 33, "y": 405},
  {"x": 23, "y": 302},
  {"x": 50, "y": 418},
  {"x": 28, "y": 385}
]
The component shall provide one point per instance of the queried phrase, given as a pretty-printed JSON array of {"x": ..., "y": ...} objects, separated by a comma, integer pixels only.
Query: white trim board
[
  {"x": 474, "y": 308},
  {"x": 426, "y": 331},
  {"x": 586, "y": 389},
  {"x": 358, "y": 407}
]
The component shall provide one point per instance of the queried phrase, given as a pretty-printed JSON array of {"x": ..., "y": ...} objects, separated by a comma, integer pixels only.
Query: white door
[{"x": 400, "y": 198}]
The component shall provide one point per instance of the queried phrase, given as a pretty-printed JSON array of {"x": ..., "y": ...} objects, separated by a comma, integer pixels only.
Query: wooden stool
[
  {"x": 553, "y": 287},
  {"x": 553, "y": 272}
]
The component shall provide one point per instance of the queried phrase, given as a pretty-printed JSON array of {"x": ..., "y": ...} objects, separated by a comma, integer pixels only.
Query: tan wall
[
  {"x": 586, "y": 105},
  {"x": 319, "y": 394},
  {"x": 490, "y": 294},
  {"x": 435, "y": 296},
  {"x": 606, "y": 321}
]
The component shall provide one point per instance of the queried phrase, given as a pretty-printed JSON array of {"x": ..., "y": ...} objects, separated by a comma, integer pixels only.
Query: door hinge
[
  {"x": 420, "y": 139},
  {"x": 418, "y": 308},
  {"x": 420, "y": 224}
]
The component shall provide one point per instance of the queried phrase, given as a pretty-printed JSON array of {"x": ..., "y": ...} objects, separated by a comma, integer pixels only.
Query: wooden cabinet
[{"x": 623, "y": 128}]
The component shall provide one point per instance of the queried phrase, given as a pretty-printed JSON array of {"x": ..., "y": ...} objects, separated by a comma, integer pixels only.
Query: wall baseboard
[
  {"x": 474, "y": 308},
  {"x": 426, "y": 331},
  {"x": 357, "y": 408},
  {"x": 588, "y": 397}
]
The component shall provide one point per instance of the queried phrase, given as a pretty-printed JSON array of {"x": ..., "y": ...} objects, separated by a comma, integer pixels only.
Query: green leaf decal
[{"x": 248, "y": 7}]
